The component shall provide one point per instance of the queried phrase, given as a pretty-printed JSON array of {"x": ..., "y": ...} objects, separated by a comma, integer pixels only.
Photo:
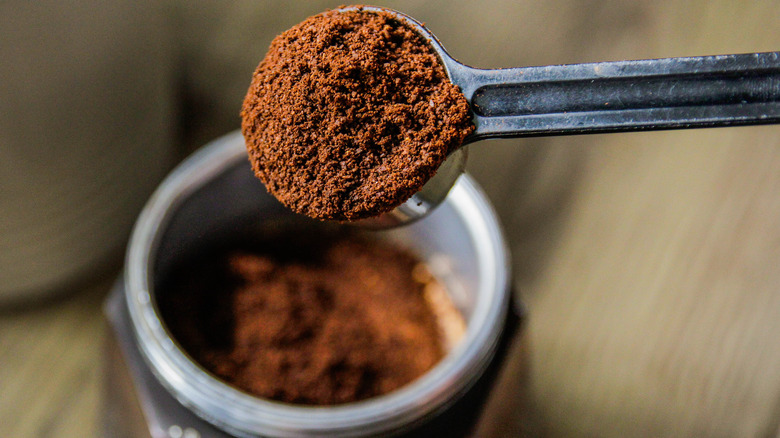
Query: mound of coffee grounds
[
  {"x": 304, "y": 319},
  {"x": 349, "y": 114}
]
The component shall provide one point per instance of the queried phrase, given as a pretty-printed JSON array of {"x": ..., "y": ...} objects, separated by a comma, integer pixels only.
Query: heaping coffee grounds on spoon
[
  {"x": 349, "y": 114},
  {"x": 310, "y": 319}
]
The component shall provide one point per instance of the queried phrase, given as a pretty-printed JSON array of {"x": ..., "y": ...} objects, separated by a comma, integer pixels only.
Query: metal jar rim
[{"x": 244, "y": 415}]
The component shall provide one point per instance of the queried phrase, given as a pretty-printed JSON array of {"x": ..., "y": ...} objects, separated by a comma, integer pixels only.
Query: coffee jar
[{"x": 155, "y": 388}]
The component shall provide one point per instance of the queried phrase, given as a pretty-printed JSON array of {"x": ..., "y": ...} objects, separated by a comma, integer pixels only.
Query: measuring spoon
[{"x": 601, "y": 97}]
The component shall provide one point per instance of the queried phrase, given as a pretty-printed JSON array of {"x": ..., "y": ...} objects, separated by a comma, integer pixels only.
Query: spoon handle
[{"x": 672, "y": 93}]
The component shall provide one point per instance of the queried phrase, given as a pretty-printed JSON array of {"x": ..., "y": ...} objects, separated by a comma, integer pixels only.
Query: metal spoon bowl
[{"x": 655, "y": 94}]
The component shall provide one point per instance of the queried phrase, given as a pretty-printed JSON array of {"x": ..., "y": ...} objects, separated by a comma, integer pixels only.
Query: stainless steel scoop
[{"x": 653, "y": 94}]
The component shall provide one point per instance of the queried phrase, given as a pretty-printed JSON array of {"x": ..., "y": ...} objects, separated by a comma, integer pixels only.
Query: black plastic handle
[{"x": 672, "y": 93}]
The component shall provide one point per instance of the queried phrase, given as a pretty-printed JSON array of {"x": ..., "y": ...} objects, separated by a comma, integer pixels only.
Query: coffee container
[{"x": 155, "y": 388}]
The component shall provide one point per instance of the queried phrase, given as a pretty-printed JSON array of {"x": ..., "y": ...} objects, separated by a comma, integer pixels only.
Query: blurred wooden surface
[
  {"x": 650, "y": 262},
  {"x": 50, "y": 367}
]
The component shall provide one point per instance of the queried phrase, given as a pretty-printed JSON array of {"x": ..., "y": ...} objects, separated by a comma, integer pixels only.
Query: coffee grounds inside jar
[
  {"x": 349, "y": 114},
  {"x": 309, "y": 319}
]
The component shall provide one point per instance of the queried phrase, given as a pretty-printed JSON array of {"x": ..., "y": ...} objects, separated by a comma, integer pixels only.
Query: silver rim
[{"x": 245, "y": 415}]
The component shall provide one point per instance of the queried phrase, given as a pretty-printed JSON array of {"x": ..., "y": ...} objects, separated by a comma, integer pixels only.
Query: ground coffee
[
  {"x": 349, "y": 114},
  {"x": 309, "y": 318}
]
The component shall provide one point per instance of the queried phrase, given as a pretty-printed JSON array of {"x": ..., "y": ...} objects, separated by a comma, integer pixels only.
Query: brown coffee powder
[
  {"x": 306, "y": 319},
  {"x": 349, "y": 114}
]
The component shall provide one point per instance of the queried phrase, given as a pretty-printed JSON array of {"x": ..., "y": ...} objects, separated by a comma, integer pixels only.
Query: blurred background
[{"x": 649, "y": 262}]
